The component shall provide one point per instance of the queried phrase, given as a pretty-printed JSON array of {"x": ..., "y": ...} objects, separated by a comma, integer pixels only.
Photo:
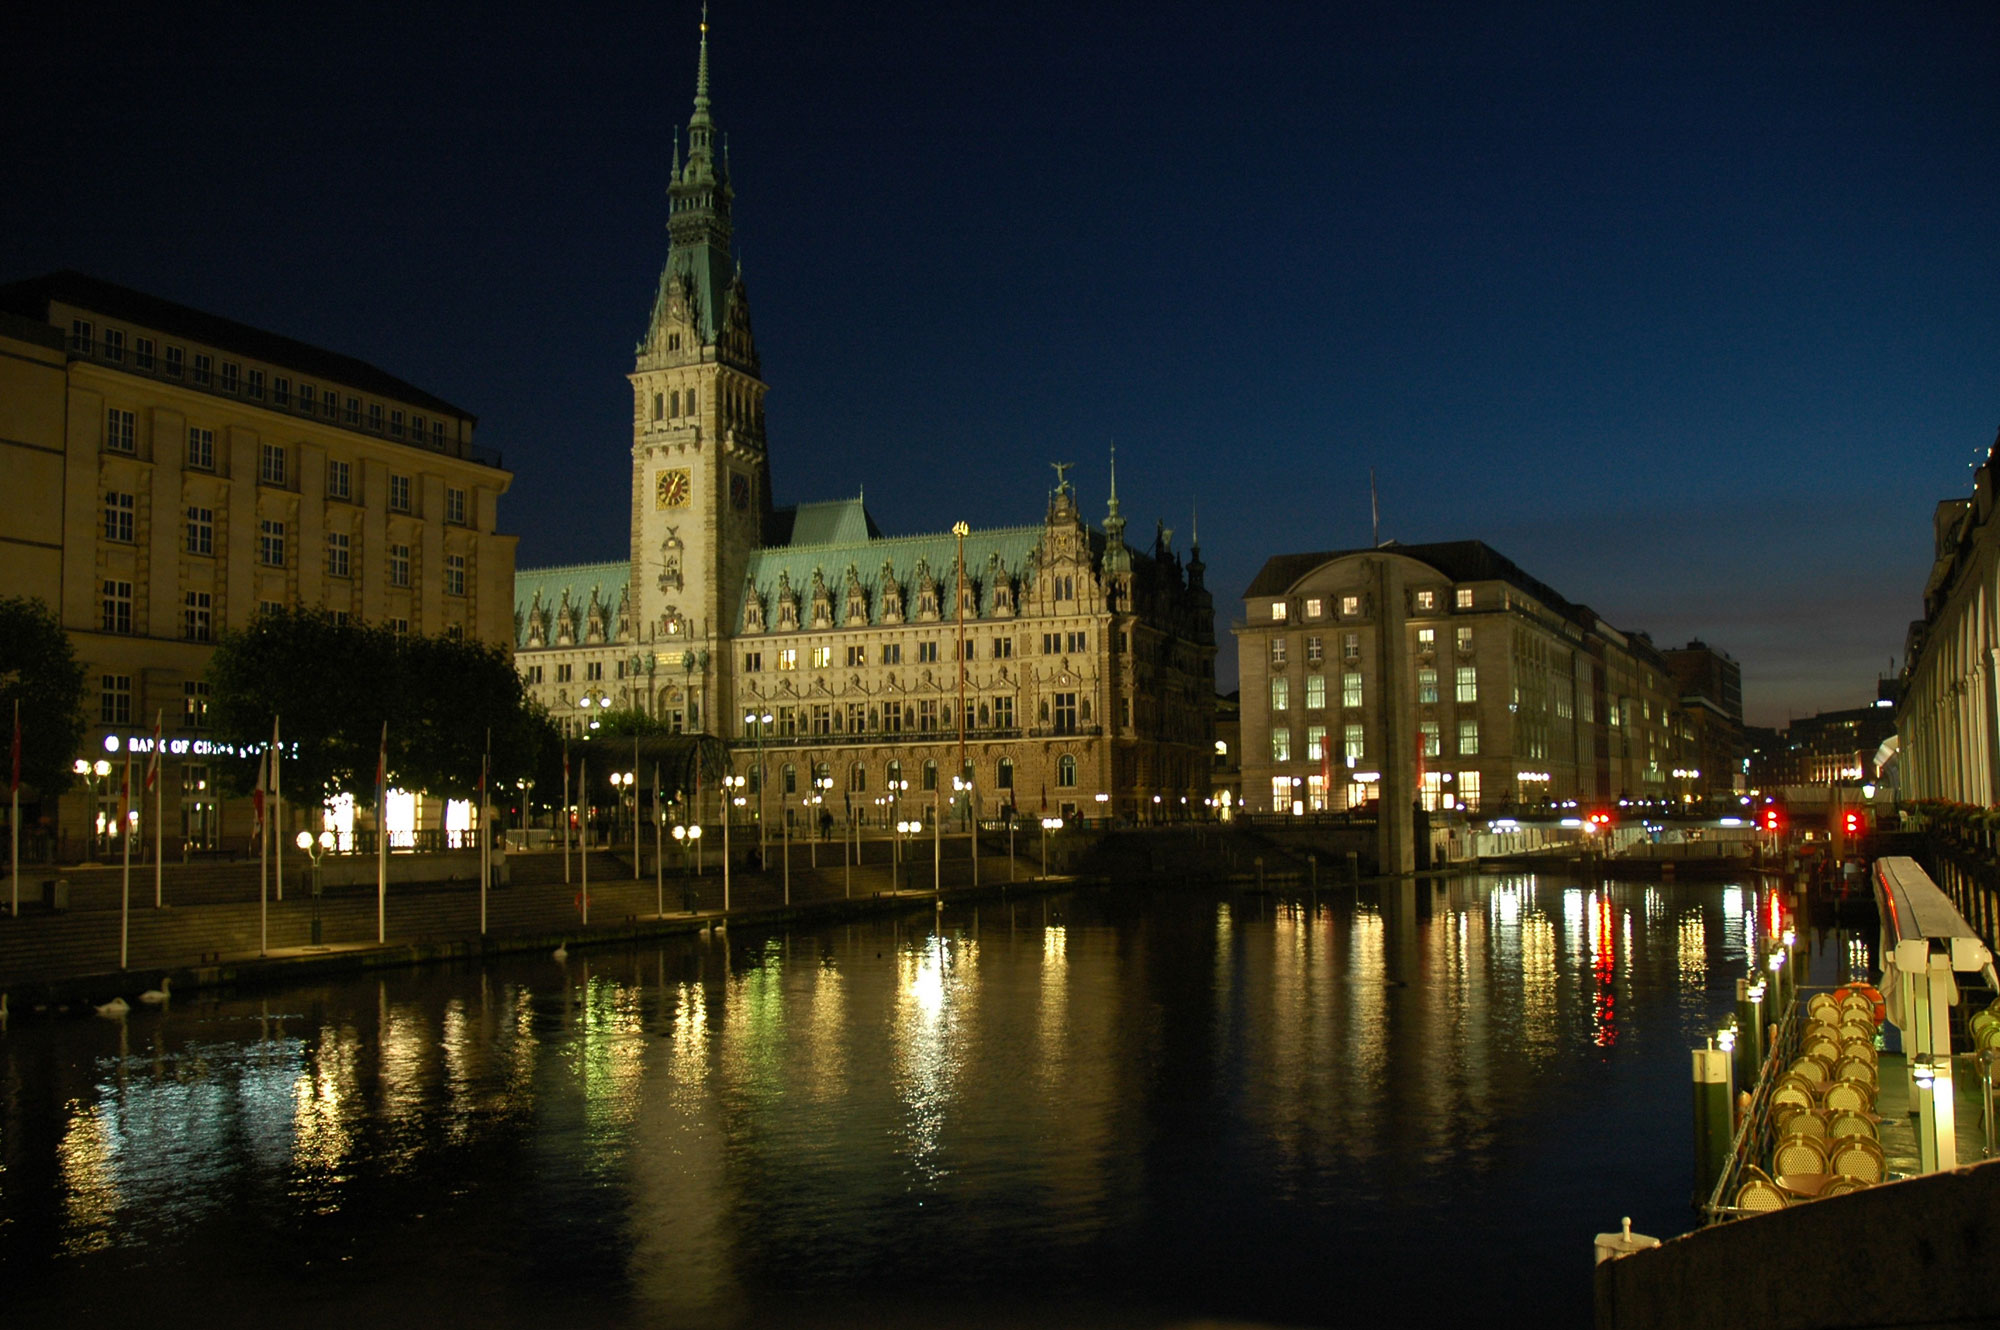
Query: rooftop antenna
[{"x": 1374, "y": 510}]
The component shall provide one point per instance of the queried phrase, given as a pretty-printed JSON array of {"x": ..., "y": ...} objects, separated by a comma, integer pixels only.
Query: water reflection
[{"x": 1187, "y": 1101}]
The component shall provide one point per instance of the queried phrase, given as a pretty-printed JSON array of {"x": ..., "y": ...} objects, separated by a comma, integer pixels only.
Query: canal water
[{"x": 1116, "y": 1108}]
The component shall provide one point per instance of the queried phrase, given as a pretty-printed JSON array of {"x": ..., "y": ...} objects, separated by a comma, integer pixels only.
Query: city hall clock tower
[{"x": 700, "y": 478}]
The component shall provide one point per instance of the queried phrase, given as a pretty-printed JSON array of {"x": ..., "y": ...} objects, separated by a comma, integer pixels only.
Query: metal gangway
[{"x": 1926, "y": 944}]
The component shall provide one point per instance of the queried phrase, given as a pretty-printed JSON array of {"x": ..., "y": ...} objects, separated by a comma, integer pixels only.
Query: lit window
[
  {"x": 1427, "y": 685},
  {"x": 822, "y": 657},
  {"x": 1427, "y": 730},
  {"x": 1277, "y": 611},
  {"x": 1427, "y": 600},
  {"x": 1464, "y": 640},
  {"x": 1277, "y": 651},
  {"x": 1315, "y": 743},
  {"x": 1281, "y": 693},
  {"x": 1353, "y": 744},
  {"x": 194, "y": 704},
  {"x": 1350, "y": 605},
  {"x": 788, "y": 659},
  {"x": 1465, "y": 598},
  {"x": 1315, "y": 692},
  {"x": 1427, "y": 639},
  {"x": 1468, "y": 683},
  {"x": 1315, "y": 607},
  {"x": 1315, "y": 650},
  {"x": 1281, "y": 743},
  {"x": 1350, "y": 688},
  {"x": 1468, "y": 738}
]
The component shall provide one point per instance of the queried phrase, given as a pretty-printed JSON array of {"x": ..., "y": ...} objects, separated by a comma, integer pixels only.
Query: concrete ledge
[{"x": 1910, "y": 1255}]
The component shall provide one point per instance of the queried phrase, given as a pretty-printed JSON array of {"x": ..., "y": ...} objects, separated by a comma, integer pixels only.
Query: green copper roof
[
  {"x": 579, "y": 580},
  {"x": 1004, "y": 548},
  {"x": 834, "y": 522}
]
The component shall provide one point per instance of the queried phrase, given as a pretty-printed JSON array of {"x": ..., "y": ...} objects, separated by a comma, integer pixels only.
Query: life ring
[{"x": 1869, "y": 991}]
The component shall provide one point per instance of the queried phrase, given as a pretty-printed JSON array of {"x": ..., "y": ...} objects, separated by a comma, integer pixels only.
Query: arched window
[
  {"x": 1066, "y": 771},
  {"x": 791, "y": 774},
  {"x": 895, "y": 775},
  {"x": 690, "y": 402},
  {"x": 675, "y": 398},
  {"x": 1006, "y": 776},
  {"x": 930, "y": 773},
  {"x": 823, "y": 776},
  {"x": 659, "y": 406},
  {"x": 857, "y": 778}
]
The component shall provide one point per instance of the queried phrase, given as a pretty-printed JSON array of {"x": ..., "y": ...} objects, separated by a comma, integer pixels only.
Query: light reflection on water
[{"x": 1193, "y": 1105}]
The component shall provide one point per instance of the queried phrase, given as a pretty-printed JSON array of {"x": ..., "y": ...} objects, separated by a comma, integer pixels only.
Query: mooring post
[{"x": 1714, "y": 1116}]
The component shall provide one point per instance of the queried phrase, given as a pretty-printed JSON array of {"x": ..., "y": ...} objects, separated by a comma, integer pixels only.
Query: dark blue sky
[{"x": 1695, "y": 312}]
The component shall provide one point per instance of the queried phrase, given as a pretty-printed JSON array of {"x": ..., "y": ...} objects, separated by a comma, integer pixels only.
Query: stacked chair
[{"x": 1823, "y": 1109}]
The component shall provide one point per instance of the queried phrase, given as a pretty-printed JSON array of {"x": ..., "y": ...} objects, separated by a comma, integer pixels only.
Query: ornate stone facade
[{"x": 1087, "y": 679}]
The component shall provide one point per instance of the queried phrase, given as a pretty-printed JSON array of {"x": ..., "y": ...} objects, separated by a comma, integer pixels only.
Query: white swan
[
  {"x": 561, "y": 952},
  {"x": 118, "y": 1006},
  {"x": 155, "y": 996}
]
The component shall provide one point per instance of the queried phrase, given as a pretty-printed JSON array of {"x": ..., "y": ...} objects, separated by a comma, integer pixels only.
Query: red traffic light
[
  {"x": 1770, "y": 819},
  {"x": 1853, "y": 822}
]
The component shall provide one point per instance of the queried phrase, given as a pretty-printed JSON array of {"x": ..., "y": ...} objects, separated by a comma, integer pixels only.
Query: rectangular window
[
  {"x": 400, "y": 627},
  {"x": 399, "y": 494},
  {"x": 1277, "y": 651},
  {"x": 1315, "y": 743},
  {"x": 1427, "y": 685},
  {"x": 1065, "y": 713},
  {"x": 417, "y": 429},
  {"x": 281, "y": 390},
  {"x": 201, "y": 448},
  {"x": 1281, "y": 794},
  {"x": 1281, "y": 694},
  {"x": 197, "y": 623},
  {"x": 308, "y": 398},
  {"x": 1079, "y": 643},
  {"x": 1277, "y": 611},
  {"x": 1003, "y": 713},
  {"x": 1350, "y": 689},
  {"x": 1353, "y": 744},
  {"x": 593, "y": 671},
  {"x": 454, "y": 574},
  {"x": 336, "y": 554},
  {"x": 396, "y": 424},
  {"x": 437, "y": 434},
  {"x": 1465, "y": 640},
  {"x": 822, "y": 718},
  {"x": 1427, "y": 600},
  {"x": 117, "y": 607},
  {"x": 80, "y": 336},
  {"x": 338, "y": 480},
  {"x": 194, "y": 704},
  {"x": 857, "y": 717},
  {"x": 114, "y": 344},
  {"x": 1350, "y": 605},
  {"x": 533, "y": 674},
  {"x": 788, "y": 658},
  {"x": 204, "y": 369},
  {"x": 271, "y": 544},
  {"x": 119, "y": 429},
  {"x": 1315, "y": 692},
  {"x": 329, "y": 404},
  {"x": 1427, "y": 731},
  {"x": 892, "y": 718},
  {"x": 201, "y": 531},
  {"x": 142, "y": 353},
  {"x": 1468, "y": 789},
  {"x": 1003, "y": 648},
  {"x": 232, "y": 376},
  {"x": 892, "y": 653},
  {"x": 375, "y": 416},
  {"x": 1468, "y": 683},
  {"x": 176, "y": 361},
  {"x": 1468, "y": 738},
  {"x": 115, "y": 699},
  {"x": 1465, "y": 598},
  {"x": 566, "y": 673},
  {"x": 926, "y": 651},
  {"x": 927, "y": 717},
  {"x": 253, "y": 384},
  {"x": 1315, "y": 608},
  {"x": 1427, "y": 640},
  {"x": 399, "y": 565},
  {"x": 822, "y": 657},
  {"x": 1281, "y": 743},
  {"x": 454, "y": 505},
  {"x": 1350, "y": 647},
  {"x": 1315, "y": 650},
  {"x": 1051, "y": 643},
  {"x": 753, "y": 662},
  {"x": 857, "y": 656},
  {"x": 118, "y": 517},
  {"x": 271, "y": 464},
  {"x": 353, "y": 413}
]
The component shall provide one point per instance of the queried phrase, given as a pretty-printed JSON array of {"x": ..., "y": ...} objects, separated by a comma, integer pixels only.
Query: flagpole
[
  {"x": 565, "y": 812},
  {"x": 659, "y": 846},
  {"x": 485, "y": 833},
  {"x": 635, "y": 808},
  {"x": 382, "y": 839},
  {"x": 125, "y": 831},
  {"x": 263, "y": 860},
  {"x": 14, "y": 821},
  {"x": 277, "y": 810},
  {"x": 583, "y": 783},
  {"x": 159, "y": 783}
]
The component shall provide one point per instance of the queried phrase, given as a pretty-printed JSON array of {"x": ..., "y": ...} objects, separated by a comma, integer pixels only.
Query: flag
[{"x": 153, "y": 763}]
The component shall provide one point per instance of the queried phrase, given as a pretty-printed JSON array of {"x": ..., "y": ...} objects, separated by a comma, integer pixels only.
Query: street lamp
[
  {"x": 1048, "y": 824},
  {"x": 904, "y": 830},
  {"x": 763, "y": 722},
  {"x": 316, "y": 849},
  {"x": 687, "y": 837},
  {"x": 1103, "y": 809},
  {"x": 94, "y": 774}
]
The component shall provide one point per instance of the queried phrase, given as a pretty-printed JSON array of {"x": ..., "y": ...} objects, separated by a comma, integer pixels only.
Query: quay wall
[{"x": 1920, "y": 1254}]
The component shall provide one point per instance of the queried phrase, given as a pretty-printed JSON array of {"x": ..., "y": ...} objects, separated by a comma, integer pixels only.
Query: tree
[
  {"x": 38, "y": 666},
  {"x": 332, "y": 686}
]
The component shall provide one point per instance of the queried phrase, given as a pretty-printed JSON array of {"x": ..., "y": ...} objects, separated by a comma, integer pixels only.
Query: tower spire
[{"x": 1117, "y": 559}]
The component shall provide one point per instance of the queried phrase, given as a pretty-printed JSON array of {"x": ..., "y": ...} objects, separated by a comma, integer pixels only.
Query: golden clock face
[{"x": 671, "y": 489}]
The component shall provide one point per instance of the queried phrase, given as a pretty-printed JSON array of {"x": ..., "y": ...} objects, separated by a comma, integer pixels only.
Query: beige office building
[{"x": 175, "y": 471}]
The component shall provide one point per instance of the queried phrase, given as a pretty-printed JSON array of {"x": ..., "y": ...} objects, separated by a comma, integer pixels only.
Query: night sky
[{"x": 1693, "y": 312}]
